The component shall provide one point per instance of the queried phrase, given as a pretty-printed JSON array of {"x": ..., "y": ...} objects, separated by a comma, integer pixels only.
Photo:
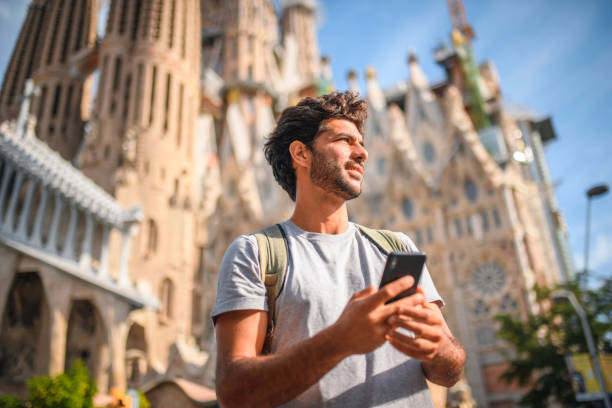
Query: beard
[{"x": 327, "y": 175}]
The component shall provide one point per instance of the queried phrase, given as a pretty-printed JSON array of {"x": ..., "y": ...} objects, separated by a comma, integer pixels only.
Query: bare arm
[
  {"x": 280, "y": 377},
  {"x": 441, "y": 355}
]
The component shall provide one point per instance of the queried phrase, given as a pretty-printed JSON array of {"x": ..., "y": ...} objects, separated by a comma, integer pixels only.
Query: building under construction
[{"x": 117, "y": 203}]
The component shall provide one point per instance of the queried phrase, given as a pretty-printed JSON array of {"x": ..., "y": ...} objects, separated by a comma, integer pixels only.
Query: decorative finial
[
  {"x": 370, "y": 72},
  {"x": 22, "y": 119},
  {"x": 412, "y": 58},
  {"x": 232, "y": 95}
]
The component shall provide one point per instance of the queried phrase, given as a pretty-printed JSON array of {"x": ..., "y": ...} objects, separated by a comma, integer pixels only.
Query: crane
[{"x": 459, "y": 19}]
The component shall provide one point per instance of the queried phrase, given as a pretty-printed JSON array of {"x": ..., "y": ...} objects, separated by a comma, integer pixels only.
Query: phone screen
[{"x": 401, "y": 264}]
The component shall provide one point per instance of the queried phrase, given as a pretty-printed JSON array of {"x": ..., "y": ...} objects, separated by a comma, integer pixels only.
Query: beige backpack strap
[
  {"x": 273, "y": 256},
  {"x": 385, "y": 240}
]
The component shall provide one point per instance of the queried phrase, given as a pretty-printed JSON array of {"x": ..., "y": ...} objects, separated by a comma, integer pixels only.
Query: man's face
[{"x": 338, "y": 155}]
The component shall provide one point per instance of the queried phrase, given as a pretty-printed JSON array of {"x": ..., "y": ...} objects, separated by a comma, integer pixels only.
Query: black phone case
[{"x": 401, "y": 264}]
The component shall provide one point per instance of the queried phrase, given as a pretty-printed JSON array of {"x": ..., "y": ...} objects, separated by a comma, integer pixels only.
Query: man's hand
[
  {"x": 433, "y": 344},
  {"x": 363, "y": 325},
  {"x": 282, "y": 376}
]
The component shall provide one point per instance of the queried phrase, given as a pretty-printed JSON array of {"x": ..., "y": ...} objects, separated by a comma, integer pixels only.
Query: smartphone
[{"x": 401, "y": 264}]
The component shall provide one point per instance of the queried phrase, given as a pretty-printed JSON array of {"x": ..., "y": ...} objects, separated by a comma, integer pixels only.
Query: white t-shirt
[{"x": 323, "y": 272}]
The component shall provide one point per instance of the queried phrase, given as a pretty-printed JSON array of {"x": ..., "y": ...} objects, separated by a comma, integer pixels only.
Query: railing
[{"x": 52, "y": 212}]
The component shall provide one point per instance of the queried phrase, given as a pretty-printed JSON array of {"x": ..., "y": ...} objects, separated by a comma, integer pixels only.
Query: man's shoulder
[
  {"x": 242, "y": 245},
  {"x": 393, "y": 235}
]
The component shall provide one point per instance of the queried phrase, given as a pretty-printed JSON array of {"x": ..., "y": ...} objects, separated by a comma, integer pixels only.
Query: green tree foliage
[
  {"x": 542, "y": 341},
  {"x": 144, "y": 402},
  {"x": 74, "y": 389},
  {"x": 10, "y": 401}
]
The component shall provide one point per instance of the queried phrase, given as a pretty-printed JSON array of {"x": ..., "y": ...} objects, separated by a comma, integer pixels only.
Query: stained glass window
[
  {"x": 481, "y": 309},
  {"x": 381, "y": 165},
  {"x": 407, "y": 208},
  {"x": 508, "y": 304},
  {"x": 429, "y": 152},
  {"x": 471, "y": 191},
  {"x": 489, "y": 278},
  {"x": 485, "y": 220}
]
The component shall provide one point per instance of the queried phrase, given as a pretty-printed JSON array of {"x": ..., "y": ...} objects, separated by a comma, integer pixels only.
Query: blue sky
[{"x": 554, "y": 57}]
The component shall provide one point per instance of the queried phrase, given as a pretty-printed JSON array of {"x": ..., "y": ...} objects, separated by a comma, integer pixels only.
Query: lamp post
[
  {"x": 566, "y": 294},
  {"x": 594, "y": 191}
]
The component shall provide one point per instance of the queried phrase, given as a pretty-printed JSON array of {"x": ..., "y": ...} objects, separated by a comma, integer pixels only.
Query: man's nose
[{"x": 360, "y": 153}]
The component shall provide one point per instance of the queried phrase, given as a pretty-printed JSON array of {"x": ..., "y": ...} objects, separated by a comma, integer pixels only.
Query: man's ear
[{"x": 300, "y": 154}]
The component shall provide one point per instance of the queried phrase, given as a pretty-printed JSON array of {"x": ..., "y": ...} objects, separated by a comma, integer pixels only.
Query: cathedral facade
[{"x": 116, "y": 208}]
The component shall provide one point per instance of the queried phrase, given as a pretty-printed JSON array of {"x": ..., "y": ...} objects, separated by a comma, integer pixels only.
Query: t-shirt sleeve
[
  {"x": 239, "y": 286},
  {"x": 431, "y": 293}
]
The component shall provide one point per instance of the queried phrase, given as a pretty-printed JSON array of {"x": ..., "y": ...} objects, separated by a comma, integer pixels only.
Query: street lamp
[
  {"x": 566, "y": 294},
  {"x": 594, "y": 191}
]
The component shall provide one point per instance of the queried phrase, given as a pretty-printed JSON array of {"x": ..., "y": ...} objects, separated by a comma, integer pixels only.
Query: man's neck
[{"x": 325, "y": 215}]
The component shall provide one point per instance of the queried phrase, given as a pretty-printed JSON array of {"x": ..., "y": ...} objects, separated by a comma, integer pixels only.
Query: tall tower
[
  {"x": 55, "y": 48},
  {"x": 25, "y": 58},
  {"x": 141, "y": 143},
  {"x": 246, "y": 30},
  {"x": 298, "y": 20}
]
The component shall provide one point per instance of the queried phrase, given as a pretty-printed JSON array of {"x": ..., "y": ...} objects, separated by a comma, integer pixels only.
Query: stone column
[
  {"x": 8, "y": 171},
  {"x": 8, "y": 266},
  {"x": 58, "y": 296},
  {"x": 68, "y": 249},
  {"x": 118, "y": 337},
  {"x": 36, "y": 237},
  {"x": 126, "y": 236},
  {"x": 85, "y": 260},
  {"x": 465, "y": 333},
  {"x": 51, "y": 244},
  {"x": 103, "y": 271},
  {"x": 10, "y": 212},
  {"x": 25, "y": 213}
]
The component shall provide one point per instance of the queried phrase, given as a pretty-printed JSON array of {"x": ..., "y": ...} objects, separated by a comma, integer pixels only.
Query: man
[{"x": 335, "y": 343}]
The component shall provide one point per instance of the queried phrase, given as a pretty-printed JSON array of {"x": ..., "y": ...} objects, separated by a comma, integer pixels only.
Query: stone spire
[
  {"x": 299, "y": 20},
  {"x": 142, "y": 143},
  {"x": 25, "y": 58},
  {"x": 55, "y": 39},
  {"x": 351, "y": 77},
  {"x": 238, "y": 34},
  {"x": 147, "y": 98}
]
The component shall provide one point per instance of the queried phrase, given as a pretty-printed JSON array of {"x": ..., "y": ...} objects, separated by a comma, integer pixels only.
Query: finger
[
  {"x": 364, "y": 293},
  {"x": 420, "y": 314},
  {"x": 391, "y": 290},
  {"x": 419, "y": 349},
  {"x": 420, "y": 330},
  {"x": 414, "y": 300}
]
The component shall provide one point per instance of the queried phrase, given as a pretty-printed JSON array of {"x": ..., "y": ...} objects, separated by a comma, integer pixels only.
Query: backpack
[{"x": 274, "y": 256}]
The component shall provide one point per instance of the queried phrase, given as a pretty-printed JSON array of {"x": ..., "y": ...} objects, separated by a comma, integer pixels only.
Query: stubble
[{"x": 327, "y": 175}]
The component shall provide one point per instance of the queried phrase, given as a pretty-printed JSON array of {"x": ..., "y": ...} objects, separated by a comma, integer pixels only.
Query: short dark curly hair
[{"x": 303, "y": 122}]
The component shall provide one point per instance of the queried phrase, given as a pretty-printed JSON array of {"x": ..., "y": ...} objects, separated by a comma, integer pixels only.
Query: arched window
[
  {"x": 166, "y": 296},
  {"x": 471, "y": 191},
  {"x": 407, "y": 208},
  {"x": 151, "y": 237},
  {"x": 381, "y": 165},
  {"x": 429, "y": 152}
]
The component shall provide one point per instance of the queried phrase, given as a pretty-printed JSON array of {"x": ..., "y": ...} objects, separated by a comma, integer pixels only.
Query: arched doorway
[
  {"x": 24, "y": 331},
  {"x": 136, "y": 356},
  {"x": 85, "y": 336}
]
